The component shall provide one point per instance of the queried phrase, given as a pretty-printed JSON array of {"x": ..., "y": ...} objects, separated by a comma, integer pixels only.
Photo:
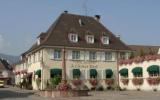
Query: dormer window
[
  {"x": 73, "y": 37},
  {"x": 105, "y": 39},
  {"x": 38, "y": 41},
  {"x": 90, "y": 39}
]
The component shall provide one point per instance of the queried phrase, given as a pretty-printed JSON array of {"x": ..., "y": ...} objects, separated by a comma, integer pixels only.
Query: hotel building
[{"x": 91, "y": 51}]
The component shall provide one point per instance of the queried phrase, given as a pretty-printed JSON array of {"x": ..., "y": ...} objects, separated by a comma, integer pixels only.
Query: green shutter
[
  {"x": 93, "y": 73},
  {"x": 38, "y": 72},
  {"x": 124, "y": 72},
  {"x": 109, "y": 73},
  {"x": 153, "y": 69},
  {"x": 55, "y": 72},
  {"x": 137, "y": 70},
  {"x": 76, "y": 72}
]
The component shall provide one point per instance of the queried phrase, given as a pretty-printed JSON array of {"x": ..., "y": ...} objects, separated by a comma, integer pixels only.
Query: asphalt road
[{"x": 10, "y": 93}]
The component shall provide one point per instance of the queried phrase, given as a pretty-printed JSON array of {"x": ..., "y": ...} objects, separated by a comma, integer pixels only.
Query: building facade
[
  {"x": 140, "y": 73},
  {"x": 91, "y": 52}
]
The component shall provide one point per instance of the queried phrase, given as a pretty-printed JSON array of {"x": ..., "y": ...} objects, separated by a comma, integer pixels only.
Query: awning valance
[
  {"x": 76, "y": 72},
  {"x": 56, "y": 72},
  {"x": 109, "y": 73},
  {"x": 137, "y": 70},
  {"x": 93, "y": 72},
  {"x": 124, "y": 72},
  {"x": 153, "y": 69},
  {"x": 38, "y": 72}
]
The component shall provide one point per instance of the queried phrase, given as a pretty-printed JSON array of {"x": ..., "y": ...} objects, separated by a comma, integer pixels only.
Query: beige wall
[{"x": 43, "y": 60}]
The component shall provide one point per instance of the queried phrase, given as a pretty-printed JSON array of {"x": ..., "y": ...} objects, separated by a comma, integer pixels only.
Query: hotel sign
[{"x": 84, "y": 66}]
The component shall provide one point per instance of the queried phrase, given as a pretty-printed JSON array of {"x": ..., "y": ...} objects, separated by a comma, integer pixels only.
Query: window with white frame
[
  {"x": 92, "y": 55},
  {"x": 73, "y": 37},
  {"x": 57, "y": 54},
  {"x": 108, "y": 56},
  {"x": 90, "y": 39},
  {"x": 122, "y": 55},
  {"x": 75, "y": 55},
  {"x": 105, "y": 39}
]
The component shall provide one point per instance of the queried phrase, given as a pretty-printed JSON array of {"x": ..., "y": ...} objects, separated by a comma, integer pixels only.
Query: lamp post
[{"x": 63, "y": 66}]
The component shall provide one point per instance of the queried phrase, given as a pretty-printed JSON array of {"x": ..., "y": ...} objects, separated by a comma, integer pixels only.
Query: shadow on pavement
[{"x": 13, "y": 94}]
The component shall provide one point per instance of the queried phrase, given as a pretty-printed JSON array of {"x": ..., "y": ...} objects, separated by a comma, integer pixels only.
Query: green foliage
[{"x": 55, "y": 81}]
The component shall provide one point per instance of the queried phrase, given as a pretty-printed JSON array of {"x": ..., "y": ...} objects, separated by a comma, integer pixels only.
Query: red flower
[
  {"x": 125, "y": 81},
  {"x": 94, "y": 82},
  {"x": 109, "y": 81},
  {"x": 153, "y": 81},
  {"x": 137, "y": 81},
  {"x": 63, "y": 87},
  {"x": 77, "y": 82}
]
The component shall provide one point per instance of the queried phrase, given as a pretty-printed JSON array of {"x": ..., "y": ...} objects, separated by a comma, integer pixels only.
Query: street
[{"x": 11, "y": 93}]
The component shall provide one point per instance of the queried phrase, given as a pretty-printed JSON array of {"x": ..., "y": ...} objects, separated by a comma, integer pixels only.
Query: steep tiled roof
[{"x": 57, "y": 34}]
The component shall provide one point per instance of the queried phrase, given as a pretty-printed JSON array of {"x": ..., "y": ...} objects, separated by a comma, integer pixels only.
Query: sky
[{"x": 21, "y": 21}]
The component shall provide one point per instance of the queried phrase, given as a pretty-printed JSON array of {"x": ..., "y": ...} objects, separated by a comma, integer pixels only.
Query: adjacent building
[
  {"x": 91, "y": 52},
  {"x": 142, "y": 72}
]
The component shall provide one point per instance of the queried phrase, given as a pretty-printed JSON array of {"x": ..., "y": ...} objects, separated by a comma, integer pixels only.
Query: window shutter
[
  {"x": 71, "y": 73},
  {"x": 113, "y": 56},
  {"x": 99, "y": 54},
  {"x": 100, "y": 74},
  {"x": 88, "y": 74},
  {"x": 51, "y": 54},
  {"x": 103, "y": 56},
  {"x": 87, "y": 55},
  {"x": 82, "y": 55},
  {"x": 69, "y": 54}
]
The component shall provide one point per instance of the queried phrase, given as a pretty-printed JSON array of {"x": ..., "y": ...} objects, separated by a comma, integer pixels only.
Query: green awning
[
  {"x": 137, "y": 70},
  {"x": 55, "y": 72},
  {"x": 38, "y": 72},
  {"x": 109, "y": 73},
  {"x": 153, "y": 69},
  {"x": 76, "y": 72},
  {"x": 93, "y": 73},
  {"x": 124, "y": 72}
]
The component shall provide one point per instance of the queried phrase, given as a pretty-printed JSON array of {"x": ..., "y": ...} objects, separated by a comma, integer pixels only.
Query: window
[
  {"x": 75, "y": 55},
  {"x": 73, "y": 38},
  {"x": 90, "y": 39},
  {"x": 92, "y": 55},
  {"x": 57, "y": 54},
  {"x": 122, "y": 55},
  {"x": 108, "y": 56},
  {"x": 105, "y": 39}
]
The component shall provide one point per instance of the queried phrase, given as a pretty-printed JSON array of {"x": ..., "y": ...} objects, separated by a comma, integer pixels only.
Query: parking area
[{"x": 11, "y": 93}]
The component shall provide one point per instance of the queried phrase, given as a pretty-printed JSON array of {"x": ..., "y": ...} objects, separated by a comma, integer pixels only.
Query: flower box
[
  {"x": 125, "y": 81},
  {"x": 153, "y": 80},
  {"x": 109, "y": 82},
  {"x": 77, "y": 82},
  {"x": 93, "y": 82},
  {"x": 137, "y": 81}
]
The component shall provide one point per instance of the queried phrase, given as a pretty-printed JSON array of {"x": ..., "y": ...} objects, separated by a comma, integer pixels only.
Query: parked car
[{"x": 1, "y": 83}]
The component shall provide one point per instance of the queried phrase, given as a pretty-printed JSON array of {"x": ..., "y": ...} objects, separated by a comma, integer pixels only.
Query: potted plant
[
  {"x": 77, "y": 82},
  {"x": 125, "y": 81},
  {"x": 93, "y": 82},
  {"x": 153, "y": 80},
  {"x": 137, "y": 81},
  {"x": 109, "y": 81}
]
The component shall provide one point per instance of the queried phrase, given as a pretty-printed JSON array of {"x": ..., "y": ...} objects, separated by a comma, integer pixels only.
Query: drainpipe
[
  {"x": 63, "y": 66},
  {"x": 42, "y": 63},
  {"x": 118, "y": 69}
]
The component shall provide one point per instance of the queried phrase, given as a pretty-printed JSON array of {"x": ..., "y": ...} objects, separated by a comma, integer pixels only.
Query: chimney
[
  {"x": 65, "y": 11},
  {"x": 97, "y": 17},
  {"x": 119, "y": 37}
]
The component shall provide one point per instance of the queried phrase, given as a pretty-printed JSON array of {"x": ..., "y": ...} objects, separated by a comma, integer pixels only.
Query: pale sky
[{"x": 137, "y": 21}]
